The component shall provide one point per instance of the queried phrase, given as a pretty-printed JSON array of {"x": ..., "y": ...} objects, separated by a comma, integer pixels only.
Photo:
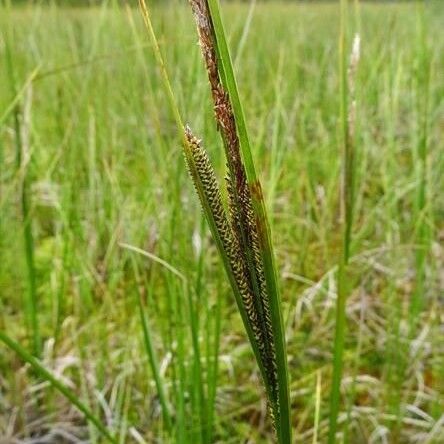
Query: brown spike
[{"x": 245, "y": 254}]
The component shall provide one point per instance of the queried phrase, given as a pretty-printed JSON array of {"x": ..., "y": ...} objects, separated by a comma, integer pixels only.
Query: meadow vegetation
[{"x": 114, "y": 302}]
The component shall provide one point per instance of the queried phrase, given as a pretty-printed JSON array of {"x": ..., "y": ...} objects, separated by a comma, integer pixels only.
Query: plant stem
[
  {"x": 21, "y": 126},
  {"x": 63, "y": 389},
  {"x": 346, "y": 139}
]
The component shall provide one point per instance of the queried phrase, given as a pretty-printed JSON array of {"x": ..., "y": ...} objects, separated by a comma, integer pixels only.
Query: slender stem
[
  {"x": 422, "y": 213},
  {"x": 151, "y": 353},
  {"x": 347, "y": 209},
  {"x": 63, "y": 389},
  {"x": 20, "y": 125}
]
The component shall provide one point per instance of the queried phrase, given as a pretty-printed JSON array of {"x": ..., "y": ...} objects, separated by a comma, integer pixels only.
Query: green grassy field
[{"x": 153, "y": 343}]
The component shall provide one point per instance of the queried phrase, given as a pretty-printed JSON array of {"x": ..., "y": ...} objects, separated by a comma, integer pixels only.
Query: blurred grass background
[{"x": 89, "y": 160}]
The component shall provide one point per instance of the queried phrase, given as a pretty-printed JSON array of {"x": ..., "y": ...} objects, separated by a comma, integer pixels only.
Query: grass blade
[
  {"x": 21, "y": 117},
  {"x": 65, "y": 391},
  {"x": 347, "y": 140},
  {"x": 149, "y": 348}
]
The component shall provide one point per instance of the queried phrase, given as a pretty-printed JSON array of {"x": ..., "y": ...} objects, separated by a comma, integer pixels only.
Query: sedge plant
[{"x": 240, "y": 228}]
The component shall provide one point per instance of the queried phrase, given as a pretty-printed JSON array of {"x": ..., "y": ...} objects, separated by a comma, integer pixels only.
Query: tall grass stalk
[
  {"x": 422, "y": 212},
  {"x": 347, "y": 123},
  {"x": 21, "y": 116},
  {"x": 150, "y": 352}
]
